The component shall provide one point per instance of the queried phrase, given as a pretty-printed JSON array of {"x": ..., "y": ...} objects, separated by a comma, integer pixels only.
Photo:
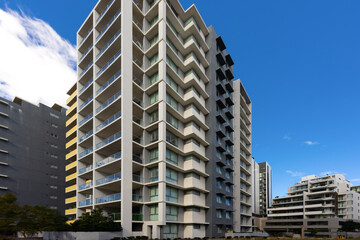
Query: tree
[
  {"x": 8, "y": 213},
  {"x": 95, "y": 221},
  {"x": 350, "y": 226}
]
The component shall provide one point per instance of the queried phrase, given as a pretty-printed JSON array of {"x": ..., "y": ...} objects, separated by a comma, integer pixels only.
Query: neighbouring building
[
  {"x": 265, "y": 188},
  {"x": 243, "y": 161},
  {"x": 151, "y": 123},
  {"x": 255, "y": 188},
  {"x": 32, "y": 153},
  {"x": 355, "y": 189},
  {"x": 314, "y": 203}
]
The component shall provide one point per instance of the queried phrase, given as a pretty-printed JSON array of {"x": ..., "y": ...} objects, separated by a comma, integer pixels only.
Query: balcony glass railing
[
  {"x": 116, "y": 216},
  {"x": 137, "y": 198},
  {"x": 109, "y": 198},
  {"x": 137, "y": 159},
  {"x": 138, "y": 3},
  {"x": 86, "y": 52},
  {"x": 104, "y": 11},
  {"x": 108, "y": 121},
  {"x": 108, "y": 25},
  {"x": 108, "y": 44},
  {"x": 112, "y": 178},
  {"x": 86, "y": 85},
  {"x": 137, "y": 178},
  {"x": 86, "y": 69},
  {"x": 138, "y": 81},
  {"x": 137, "y": 61},
  {"x": 110, "y": 159},
  {"x": 86, "y": 202},
  {"x": 86, "y": 102},
  {"x": 86, "y": 152},
  {"x": 108, "y": 63},
  {"x": 137, "y": 22},
  {"x": 108, "y": 102},
  {"x": 109, "y": 140},
  {"x": 86, "y": 135},
  {"x": 86, "y": 119},
  {"x": 85, "y": 186},
  {"x": 137, "y": 217},
  {"x": 137, "y": 42},
  {"x": 110, "y": 81},
  {"x": 86, "y": 169},
  {"x": 86, "y": 36}
]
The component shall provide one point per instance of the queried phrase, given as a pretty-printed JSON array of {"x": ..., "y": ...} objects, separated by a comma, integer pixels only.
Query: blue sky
[{"x": 299, "y": 61}]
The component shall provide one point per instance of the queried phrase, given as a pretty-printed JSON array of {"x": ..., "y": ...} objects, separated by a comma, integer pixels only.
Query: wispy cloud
[
  {"x": 311, "y": 143},
  {"x": 287, "y": 137},
  {"x": 36, "y": 64},
  {"x": 355, "y": 180},
  {"x": 322, "y": 174},
  {"x": 295, "y": 174}
]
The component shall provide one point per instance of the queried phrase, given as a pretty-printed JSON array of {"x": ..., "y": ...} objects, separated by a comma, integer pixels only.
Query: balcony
[
  {"x": 109, "y": 140},
  {"x": 86, "y": 152},
  {"x": 86, "y": 86},
  {"x": 108, "y": 64},
  {"x": 108, "y": 121},
  {"x": 108, "y": 44},
  {"x": 104, "y": 11},
  {"x": 108, "y": 83},
  {"x": 71, "y": 154},
  {"x": 86, "y": 53},
  {"x": 87, "y": 101},
  {"x": 85, "y": 70},
  {"x": 85, "y": 186},
  {"x": 108, "y": 25},
  {"x": 70, "y": 177},
  {"x": 86, "y": 202},
  {"x": 70, "y": 189},
  {"x": 85, "y": 136},
  {"x": 108, "y": 102},
  {"x": 109, "y": 179},
  {"x": 70, "y": 166},
  {"x": 70, "y": 211},
  {"x": 86, "y": 169},
  {"x": 109, "y": 198},
  {"x": 107, "y": 160}
]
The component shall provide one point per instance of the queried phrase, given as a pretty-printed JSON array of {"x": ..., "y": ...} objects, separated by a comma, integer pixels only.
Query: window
[
  {"x": 196, "y": 226},
  {"x": 54, "y": 146},
  {"x": 227, "y": 215},
  {"x": 218, "y": 213},
  {"x": 218, "y": 154},
  {"x": 154, "y": 116},
  {"x": 227, "y": 188},
  {"x": 154, "y": 78},
  {"x": 218, "y": 169},
  {"x": 219, "y": 229},
  {"x": 171, "y": 213},
  {"x": 54, "y": 115},
  {"x": 171, "y": 194},
  {"x": 172, "y": 46},
  {"x": 218, "y": 199},
  {"x": 154, "y": 193},
  {"x": 154, "y": 59},
  {"x": 227, "y": 202},
  {"x": 54, "y": 125},
  {"x": 172, "y": 120},
  {"x": 54, "y": 166},
  {"x": 192, "y": 209},
  {"x": 172, "y": 64},
  {"x": 194, "y": 175},
  {"x": 53, "y": 207},
  {"x": 153, "y": 40},
  {"x": 171, "y": 157},
  {"x": 154, "y": 155},
  {"x": 218, "y": 184},
  {"x": 154, "y": 98},
  {"x": 171, "y": 138},
  {"x": 197, "y": 193},
  {"x": 53, "y": 197},
  {"x": 227, "y": 175},
  {"x": 170, "y": 231},
  {"x": 53, "y": 187},
  {"x": 171, "y": 176},
  {"x": 53, "y": 176},
  {"x": 54, "y": 156},
  {"x": 171, "y": 101},
  {"x": 172, "y": 83},
  {"x": 192, "y": 157},
  {"x": 154, "y": 212},
  {"x": 154, "y": 136},
  {"x": 154, "y": 174}
]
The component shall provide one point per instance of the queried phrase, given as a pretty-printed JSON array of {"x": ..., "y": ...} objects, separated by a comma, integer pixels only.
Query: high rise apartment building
[
  {"x": 150, "y": 129},
  {"x": 265, "y": 187},
  {"x": 32, "y": 149},
  {"x": 243, "y": 162},
  {"x": 314, "y": 203}
]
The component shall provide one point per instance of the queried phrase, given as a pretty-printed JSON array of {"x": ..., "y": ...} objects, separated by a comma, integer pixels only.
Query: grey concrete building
[
  {"x": 265, "y": 188},
  {"x": 32, "y": 153}
]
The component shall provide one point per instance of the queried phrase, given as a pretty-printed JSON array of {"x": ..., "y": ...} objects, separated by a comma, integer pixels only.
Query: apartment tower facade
[
  {"x": 145, "y": 140},
  {"x": 265, "y": 187},
  {"x": 243, "y": 162},
  {"x": 32, "y": 149}
]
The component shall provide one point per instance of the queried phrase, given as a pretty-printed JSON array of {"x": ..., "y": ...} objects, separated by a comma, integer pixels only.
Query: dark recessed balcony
[
  {"x": 229, "y": 87},
  {"x": 220, "y": 133},
  {"x": 220, "y": 118},
  {"x": 220, "y": 43},
  {"x": 220, "y": 74},
  {"x": 229, "y": 142},
  {"x": 220, "y": 148},
  {"x": 229, "y": 60},
  {"x": 229, "y": 101},
  {"x": 220, "y": 88},
  {"x": 229, "y": 128},
  {"x": 229, "y": 115},
  {"x": 220, "y": 103},
  {"x": 220, "y": 59},
  {"x": 229, "y": 74}
]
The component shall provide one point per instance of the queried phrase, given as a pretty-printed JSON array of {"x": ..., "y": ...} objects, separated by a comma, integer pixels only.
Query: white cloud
[
  {"x": 287, "y": 137},
  {"x": 295, "y": 174},
  {"x": 36, "y": 64},
  {"x": 355, "y": 180},
  {"x": 311, "y": 143},
  {"x": 322, "y": 174}
]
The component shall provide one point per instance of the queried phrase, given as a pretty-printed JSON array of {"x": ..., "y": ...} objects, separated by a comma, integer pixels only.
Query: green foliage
[
  {"x": 95, "y": 222},
  {"x": 350, "y": 226},
  {"x": 8, "y": 213}
]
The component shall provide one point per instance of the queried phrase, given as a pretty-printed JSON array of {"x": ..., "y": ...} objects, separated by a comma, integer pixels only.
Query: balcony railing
[
  {"x": 108, "y": 102},
  {"x": 110, "y": 159},
  {"x": 137, "y": 178},
  {"x": 86, "y": 102},
  {"x": 86, "y": 202},
  {"x": 109, "y": 198},
  {"x": 138, "y": 3},
  {"x": 112, "y": 178},
  {"x": 108, "y": 63},
  {"x": 116, "y": 216},
  {"x": 87, "y": 51},
  {"x": 86, "y": 85},
  {"x": 137, "y": 23},
  {"x": 108, "y": 44},
  {"x": 137, "y": 217},
  {"x": 111, "y": 139},
  {"x": 137, "y": 42},
  {"x": 137, "y": 198},
  {"x": 88, "y": 134},
  {"x": 86, "y": 169},
  {"x": 86, "y": 152},
  {"x": 86, "y": 119},
  {"x": 87, "y": 68},
  {"x": 137, "y": 159},
  {"x": 85, "y": 186},
  {"x": 108, "y": 25},
  {"x": 110, "y": 81},
  {"x": 108, "y": 121},
  {"x": 104, "y": 11}
]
